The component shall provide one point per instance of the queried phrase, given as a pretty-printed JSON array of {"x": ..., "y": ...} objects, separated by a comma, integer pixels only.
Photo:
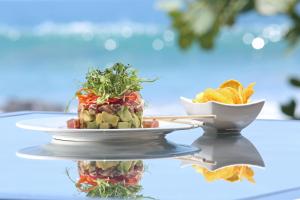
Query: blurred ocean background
[{"x": 46, "y": 47}]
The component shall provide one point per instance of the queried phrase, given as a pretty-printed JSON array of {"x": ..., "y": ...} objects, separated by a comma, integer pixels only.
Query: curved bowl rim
[{"x": 187, "y": 100}]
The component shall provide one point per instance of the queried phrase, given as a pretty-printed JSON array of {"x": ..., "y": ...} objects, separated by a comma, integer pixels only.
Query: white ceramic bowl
[{"x": 229, "y": 117}]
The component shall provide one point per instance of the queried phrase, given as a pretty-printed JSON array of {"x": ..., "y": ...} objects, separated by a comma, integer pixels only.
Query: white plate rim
[
  {"x": 162, "y": 156},
  {"x": 171, "y": 153},
  {"x": 22, "y": 124}
]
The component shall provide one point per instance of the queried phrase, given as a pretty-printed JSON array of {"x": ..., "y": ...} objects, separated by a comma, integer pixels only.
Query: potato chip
[
  {"x": 200, "y": 95},
  {"x": 214, "y": 95},
  {"x": 248, "y": 173},
  {"x": 232, "y": 84},
  {"x": 240, "y": 95},
  {"x": 199, "y": 98},
  {"x": 226, "y": 172},
  {"x": 229, "y": 92},
  {"x": 233, "y": 178},
  {"x": 247, "y": 93},
  {"x": 210, "y": 176},
  {"x": 236, "y": 97},
  {"x": 217, "y": 174},
  {"x": 230, "y": 173},
  {"x": 227, "y": 95}
]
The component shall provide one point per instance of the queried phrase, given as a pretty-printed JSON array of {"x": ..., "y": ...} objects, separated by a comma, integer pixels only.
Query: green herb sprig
[
  {"x": 108, "y": 190},
  {"x": 111, "y": 190},
  {"x": 113, "y": 82}
]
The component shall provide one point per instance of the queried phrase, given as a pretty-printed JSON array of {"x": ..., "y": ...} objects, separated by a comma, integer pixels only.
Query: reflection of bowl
[
  {"x": 229, "y": 117},
  {"x": 219, "y": 151}
]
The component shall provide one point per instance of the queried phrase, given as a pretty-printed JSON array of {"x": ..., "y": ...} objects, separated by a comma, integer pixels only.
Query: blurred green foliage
[
  {"x": 289, "y": 108},
  {"x": 200, "y": 21}
]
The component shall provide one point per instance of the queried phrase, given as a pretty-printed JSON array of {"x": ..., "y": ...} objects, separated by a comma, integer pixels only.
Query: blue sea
[{"x": 45, "y": 57}]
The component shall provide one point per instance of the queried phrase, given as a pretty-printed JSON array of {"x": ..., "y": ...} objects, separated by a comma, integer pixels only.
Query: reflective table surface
[{"x": 277, "y": 142}]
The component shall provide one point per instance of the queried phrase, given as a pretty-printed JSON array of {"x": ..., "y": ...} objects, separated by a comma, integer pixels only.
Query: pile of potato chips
[
  {"x": 230, "y": 173},
  {"x": 230, "y": 92}
]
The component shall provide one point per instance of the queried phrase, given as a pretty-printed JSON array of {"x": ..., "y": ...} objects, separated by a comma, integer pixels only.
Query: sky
[
  {"x": 29, "y": 12},
  {"x": 34, "y": 12}
]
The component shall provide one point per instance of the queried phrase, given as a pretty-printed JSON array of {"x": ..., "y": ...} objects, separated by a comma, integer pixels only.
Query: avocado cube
[
  {"x": 124, "y": 114},
  {"x": 139, "y": 114},
  {"x": 124, "y": 166},
  {"x": 136, "y": 123},
  {"x": 124, "y": 125},
  {"x": 99, "y": 118},
  {"x": 86, "y": 116},
  {"x": 139, "y": 163},
  {"x": 92, "y": 125},
  {"x": 106, "y": 164},
  {"x": 104, "y": 125},
  {"x": 110, "y": 118}
]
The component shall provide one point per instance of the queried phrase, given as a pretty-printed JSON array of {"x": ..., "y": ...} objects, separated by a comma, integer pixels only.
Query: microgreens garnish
[{"x": 113, "y": 82}]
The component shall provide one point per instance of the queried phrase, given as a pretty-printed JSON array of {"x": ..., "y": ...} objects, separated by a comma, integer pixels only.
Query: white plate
[
  {"x": 125, "y": 150},
  {"x": 229, "y": 117},
  {"x": 56, "y": 126}
]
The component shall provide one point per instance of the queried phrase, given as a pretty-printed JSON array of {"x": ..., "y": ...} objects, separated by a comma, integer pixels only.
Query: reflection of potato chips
[
  {"x": 229, "y": 92},
  {"x": 231, "y": 173}
]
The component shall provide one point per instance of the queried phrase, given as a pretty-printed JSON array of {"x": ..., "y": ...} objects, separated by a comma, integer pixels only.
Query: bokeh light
[
  {"x": 158, "y": 44},
  {"x": 168, "y": 36},
  {"x": 248, "y": 38},
  {"x": 110, "y": 44},
  {"x": 273, "y": 33},
  {"x": 258, "y": 43},
  {"x": 126, "y": 32}
]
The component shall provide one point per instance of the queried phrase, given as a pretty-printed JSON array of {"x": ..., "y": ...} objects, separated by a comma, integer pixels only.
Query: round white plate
[
  {"x": 56, "y": 126},
  {"x": 129, "y": 150}
]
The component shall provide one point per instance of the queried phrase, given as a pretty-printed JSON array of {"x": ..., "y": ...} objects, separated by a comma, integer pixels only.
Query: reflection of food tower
[{"x": 110, "y": 178}]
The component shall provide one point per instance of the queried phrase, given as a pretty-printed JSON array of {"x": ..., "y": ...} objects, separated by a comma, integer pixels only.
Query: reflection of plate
[
  {"x": 229, "y": 117},
  {"x": 107, "y": 150},
  {"x": 224, "y": 150},
  {"x": 56, "y": 126}
]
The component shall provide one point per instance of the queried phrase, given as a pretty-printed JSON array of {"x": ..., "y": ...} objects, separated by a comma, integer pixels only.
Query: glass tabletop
[{"x": 276, "y": 141}]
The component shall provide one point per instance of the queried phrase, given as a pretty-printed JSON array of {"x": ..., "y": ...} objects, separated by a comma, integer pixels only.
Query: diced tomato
[
  {"x": 131, "y": 96},
  {"x": 115, "y": 179},
  {"x": 150, "y": 124},
  {"x": 87, "y": 97},
  {"x": 73, "y": 123},
  {"x": 132, "y": 181},
  {"x": 114, "y": 101}
]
